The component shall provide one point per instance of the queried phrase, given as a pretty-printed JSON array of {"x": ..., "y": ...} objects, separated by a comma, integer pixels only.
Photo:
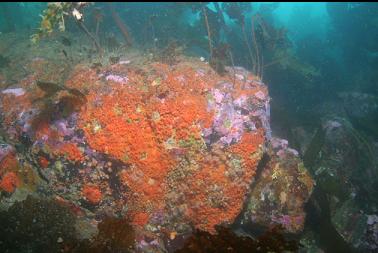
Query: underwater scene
[{"x": 198, "y": 127}]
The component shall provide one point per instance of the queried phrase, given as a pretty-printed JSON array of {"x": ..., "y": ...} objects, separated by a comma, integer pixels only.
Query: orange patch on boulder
[
  {"x": 9, "y": 182},
  {"x": 92, "y": 194}
]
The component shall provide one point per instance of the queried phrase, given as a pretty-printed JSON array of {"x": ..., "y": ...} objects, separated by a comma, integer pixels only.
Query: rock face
[
  {"x": 170, "y": 148},
  {"x": 278, "y": 196},
  {"x": 344, "y": 165}
]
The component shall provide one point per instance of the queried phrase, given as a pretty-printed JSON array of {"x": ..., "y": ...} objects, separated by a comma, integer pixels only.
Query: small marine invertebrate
[
  {"x": 92, "y": 194},
  {"x": 43, "y": 162},
  {"x": 9, "y": 182},
  {"x": 8, "y": 161},
  {"x": 140, "y": 218},
  {"x": 70, "y": 151}
]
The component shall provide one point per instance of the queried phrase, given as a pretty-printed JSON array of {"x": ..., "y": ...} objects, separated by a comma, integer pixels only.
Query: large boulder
[
  {"x": 171, "y": 148},
  {"x": 343, "y": 163},
  {"x": 279, "y": 194},
  {"x": 362, "y": 109}
]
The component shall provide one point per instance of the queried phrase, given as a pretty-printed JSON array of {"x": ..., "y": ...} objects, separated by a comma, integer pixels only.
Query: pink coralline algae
[
  {"x": 281, "y": 146},
  {"x": 14, "y": 91},
  {"x": 62, "y": 126},
  {"x": 5, "y": 149},
  {"x": 279, "y": 143},
  {"x": 228, "y": 122},
  {"x": 200, "y": 73},
  {"x": 260, "y": 95},
  {"x": 124, "y": 62},
  {"x": 233, "y": 116},
  {"x": 117, "y": 78},
  {"x": 288, "y": 221},
  {"x": 24, "y": 119}
]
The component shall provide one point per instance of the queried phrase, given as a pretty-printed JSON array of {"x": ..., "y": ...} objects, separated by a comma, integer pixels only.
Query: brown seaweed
[
  {"x": 220, "y": 57},
  {"x": 49, "y": 88},
  {"x": 52, "y": 109}
]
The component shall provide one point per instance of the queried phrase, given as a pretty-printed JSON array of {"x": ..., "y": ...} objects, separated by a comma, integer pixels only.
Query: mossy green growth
[{"x": 192, "y": 143}]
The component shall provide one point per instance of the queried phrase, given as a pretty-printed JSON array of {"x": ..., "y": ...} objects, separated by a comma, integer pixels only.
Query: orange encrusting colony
[
  {"x": 215, "y": 196},
  {"x": 92, "y": 194},
  {"x": 43, "y": 162},
  {"x": 132, "y": 126},
  {"x": 140, "y": 218},
  {"x": 69, "y": 150},
  {"x": 248, "y": 145},
  {"x": 133, "y": 121},
  {"x": 8, "y": 163},
  {"x": 9, "y": 180}
]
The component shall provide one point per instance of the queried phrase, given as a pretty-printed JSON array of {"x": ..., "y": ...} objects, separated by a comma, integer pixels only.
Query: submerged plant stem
[
  {"x": 233, "y": 67},
  {"x": 253, "y": 60},
  {"x": 258, "y": 70},
  {"x": 121, "y": 26},
  {"x": 84, "y": 28},
  {"x": 208, "y": 32}
]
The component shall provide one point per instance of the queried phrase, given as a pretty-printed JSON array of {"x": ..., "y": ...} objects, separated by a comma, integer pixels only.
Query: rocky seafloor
[{"x": 132, "y": 154}]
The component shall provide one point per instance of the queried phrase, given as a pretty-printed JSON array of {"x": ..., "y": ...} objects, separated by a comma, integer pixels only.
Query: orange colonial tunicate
[
  {"x": 43, "y": 162},
  {"x": 248, "y": 145},
  {"x": 217, "y": 197},
  {"x": 9, "y": 182},
  {"x": 140, "y": 219},
  {"x": 9, "y": 162},
  {"x": 92, "y": 194},
  {"x": 70, "y": 150},
  {"x": 144, "y": 119}
]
